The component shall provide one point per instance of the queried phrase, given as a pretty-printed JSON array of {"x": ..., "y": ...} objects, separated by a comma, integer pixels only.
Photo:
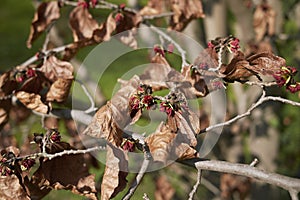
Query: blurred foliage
[{"x": 15, "y": 19}]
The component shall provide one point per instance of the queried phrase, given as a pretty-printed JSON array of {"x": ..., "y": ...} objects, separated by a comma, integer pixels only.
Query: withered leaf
[
  {"x": 54, "y": 68},
  {"x": 238, "y": 69},
  {"x": 68, "y": 172},
  {"x": 32, "y": 101},
  {"x": 82, "y": 23},
  {"x": 265, "y": 63},
  {"x": 163, "y": 189},
  {"x": 184, "y": 12},
  {"x": 10, "y": 189},
  {"x": 46, "y": 14},
  {"x": 128, "y": 38},
  {"x": 116, "y": 171},
  {"x": 160, "y": 142},
  {"x": 59, "y": 90},
  {"x": 153, "y": 7},
  {"x": 264, "y": 21},
  {"x": 103, "y": 33},
  {"x": 104, "y": 126},
  {"x": 128, "y": 21}
]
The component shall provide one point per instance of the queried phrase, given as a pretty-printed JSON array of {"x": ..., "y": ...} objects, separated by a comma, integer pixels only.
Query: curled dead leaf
[
  {"x": 82, "y": 23},
  {"x": 10, "y": 189},
  {"x": 264, "y": 21},
  {"x": 104, "y": 126},
  {"x": 59, "y": 90},
  {"x": 116, "y": 171},
  {"x": 32, "y": 101},
  {"x": 103, "y": 33},
  {"x": 54, "y": 68},
  {"x": 184, "y": 12},
  {"x": 160, "y": 142},
  {"x": 46, "y": 14},
  {"x": 153, "y": 7}
]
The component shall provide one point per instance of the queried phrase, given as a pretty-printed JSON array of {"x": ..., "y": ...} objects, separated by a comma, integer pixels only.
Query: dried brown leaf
[
  {"x": 128, "y": 21},
  {"x": 32, "y": 101},
  {"x": 265, "y": 63},
  {"x": 68, "y": 172},
  {"x": 184, "y": 12},
  {"x": 59, "y": 90},
  {"x": 128, "y": 38},
  {"x": 230, "y": 183},
  {"x": 160, "y": 142},
  {"x": 238, "y": 69},
  {"x": 153, "y": 7},
  {"x": 82, "y": 23},
  {"x": 264, "y": 21},
  {"x": 54, "y": 68},
  {"x": 10, "y": 189},
  {"x": 104, "y": 126},
  {"x": 103, "y": 33},
  {"x": 163, "y": 189},
  {"x": 116, "y": 170},
  {"x": 46, "y": 14}
]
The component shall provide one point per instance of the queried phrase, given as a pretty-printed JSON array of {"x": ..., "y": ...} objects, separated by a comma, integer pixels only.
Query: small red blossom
[
  {"x": 55, "y": 136},
  {"x": 294, "y": 87},
  {"x": 216, "y": 85},
  {"x": 27, "y": 164},
  {"x": 234, "y": 45},
  {"x": 119, "y": 17},
  {"x": 159, "y": 50},
  {"x": 30, "y": 73},
  {"x": 134, "y": 102},
  {"x": 279, "y": 80},
  {"x": 170, "y": 48},
  {"x": 128, "y": 146},
  {"x": 4, "y": 168},
  {"x": 122, "y": 6},
  {"x": 167, "y": 108},
  {"x": 20, "y": 77},
  {"x": 210, "y": 45},
  {"x": 147, "y": 101},
  {"x": 84, "y": 4},
  {"x": 94, "y": 3}
]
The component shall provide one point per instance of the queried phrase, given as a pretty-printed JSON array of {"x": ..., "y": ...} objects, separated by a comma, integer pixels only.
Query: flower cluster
[
  {"x": 142, "y": 99},
  {"x": 285, "y": 77},
  {"x": 128, "y": 145},
  {"x": 21, "y": 76},
  {"x": 171, "y": 104},
  {"x": 54, "y": 136},
  {"x": 5, "y": 168},
  {"x": 160, "y": 50},
  {"x": 86, "y": 4},
  {"x": 27, "y": 164},
  {"x": 231, "y": 43}
]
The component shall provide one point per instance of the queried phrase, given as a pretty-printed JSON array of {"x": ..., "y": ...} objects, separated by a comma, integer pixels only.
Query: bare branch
[
  {"x": 46, "y": 53},
  {"x": 138, "y": 178},
  {"x": 198, "y": 182},
  {"x": 293, "y": 194},
  {"x": 254, "y": 162},
  {"x": 290, "y": 184},
  {"x": 260, "y": 101},
  {"x": 92, "y": 108}
]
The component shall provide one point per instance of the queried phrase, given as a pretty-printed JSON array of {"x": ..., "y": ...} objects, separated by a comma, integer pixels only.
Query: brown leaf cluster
[
  {"x": 230, "y": 184},
  {"x": 116, "y": 170},
  {"x": 264, "y": 21},
  {"x": 184, "y": 12},
  {"x": 45, "y": 15}
]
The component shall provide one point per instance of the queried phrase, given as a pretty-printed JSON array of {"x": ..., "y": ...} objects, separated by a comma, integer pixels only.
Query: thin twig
[
  {"x": 254, "y": 162},
  {"x": 198, "y": 182},
  {"x": 261, "y": 84},
  {"x": 285, "y": 182},
  {"x": 92, "y": 107},
  {"x": 168, "y": 38},
  {"x": 261, "y": 100},
  {"x": 46, "y": 53},
  {"x": 167, "y": 14},
  {"x": 138, "y": 178}
]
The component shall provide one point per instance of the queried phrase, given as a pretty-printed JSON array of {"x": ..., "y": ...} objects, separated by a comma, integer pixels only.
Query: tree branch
[
  {"x": 198, "y": 182},
  {"x": 260, "y": 101},
  {"x": 290, "y": 184}
]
